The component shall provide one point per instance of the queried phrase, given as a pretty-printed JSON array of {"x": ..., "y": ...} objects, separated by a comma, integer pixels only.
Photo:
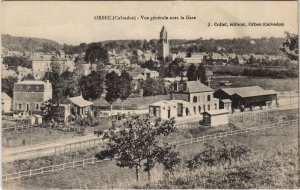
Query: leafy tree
[
  {"x": 290, "y": 46},
  {"x": 125, "y": 86},
  {"x": 8, "y": 85},
  {"x": 135, "y": 144},
  {"x": 201, "y": 74},
  {"x": 91, "y": 86},
  {"x": 192, "y": 73},
  {"x": 153, "y": 87},
  {"x": 70, "y": 83},
  {"x": 15, "y": 61},
  {"x": 96, "y": 53},
  {"x": 28, "y": 77},
  {"x": 57, "y": 86},
  {"x": 112, "y": 87}
]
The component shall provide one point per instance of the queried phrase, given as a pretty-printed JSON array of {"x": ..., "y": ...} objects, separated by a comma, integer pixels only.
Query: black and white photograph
[{"x": 149, "y": 95}]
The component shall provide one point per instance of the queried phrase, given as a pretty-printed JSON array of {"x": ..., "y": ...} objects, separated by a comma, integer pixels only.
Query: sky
[{"x": 74, "y": 23}]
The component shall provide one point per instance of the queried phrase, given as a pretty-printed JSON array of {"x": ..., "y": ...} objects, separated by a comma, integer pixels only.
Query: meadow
[
  {"x": 267, "y": 145},
  {"x": 265, "y": 83}
]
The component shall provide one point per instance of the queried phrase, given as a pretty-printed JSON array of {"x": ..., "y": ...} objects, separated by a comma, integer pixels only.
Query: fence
[
  {"x": 50, "y": 169},
  {"x": 293, "y": 123},
  {"x": 22, "y": 153},
  {"x": 187, "y": 125},
  {"x": 254, "y": 115},
  {"x": 91, "y": 161}
]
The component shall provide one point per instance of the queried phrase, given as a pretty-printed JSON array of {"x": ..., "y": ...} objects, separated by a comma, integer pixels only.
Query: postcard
[{"x": 150, "y": 94}]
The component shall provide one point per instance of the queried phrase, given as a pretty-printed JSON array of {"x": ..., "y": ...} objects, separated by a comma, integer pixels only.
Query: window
[
  {"x": 27, "y": 88},
  {"x": 20, "y": 106},
  {"x": 194, "y": 109},
  {"x": 199, "y": 109},
  {"x": 208, "y": 107},
  {"x": 37, "y": 88},
  {"x": 208, "y": 98},
  {"x": 203, "y": 107},
  {"x": 37, "y": 106},
  {"x": 195, "y": 99}
]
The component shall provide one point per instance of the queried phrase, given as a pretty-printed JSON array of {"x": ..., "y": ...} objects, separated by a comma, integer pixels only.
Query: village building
[
  {"x": 6, "y": 103},
  {"x": 79, "y": 106},
  {"x": 197, "y": 93},
  {"x": 143, "y": 74},
  {"x": 28, "y": 96},
  {"x": 188, "y": 99},
  {"x": 247, "y": 97}
]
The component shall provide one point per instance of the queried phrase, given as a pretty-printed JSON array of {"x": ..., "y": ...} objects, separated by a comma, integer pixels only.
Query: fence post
[
  {"x": 73, "y": 164},
  {"x": 93, "y": 160},
  {"x": 30, "y": 172},
  {"x": 82, "y": 162},
  {"x": 19, "y": 175},
  {"x": 6, "y": 177},
  {"x": 42, "y": 170}
]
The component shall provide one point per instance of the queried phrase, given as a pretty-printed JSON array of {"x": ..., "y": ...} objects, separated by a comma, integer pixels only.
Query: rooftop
[
  {"x": 4, "y": 96},
  {"x": 194, "y": 86},
  {"x": 80, "y": 102},
  {"x": 217, "y": 112},
  {"x": 32, "y": 82},
  {"x": 231, "y": 91},
  {"x": 164, "y": 103}
]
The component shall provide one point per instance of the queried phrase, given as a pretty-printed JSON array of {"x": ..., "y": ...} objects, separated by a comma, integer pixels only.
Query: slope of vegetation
[{"x": 14, "y": 43}]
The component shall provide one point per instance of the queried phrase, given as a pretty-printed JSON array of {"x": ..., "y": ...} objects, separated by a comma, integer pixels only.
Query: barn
[{"x": 247, "y": 97}]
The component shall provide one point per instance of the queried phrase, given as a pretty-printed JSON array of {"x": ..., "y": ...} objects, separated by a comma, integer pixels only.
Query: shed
[
  {"x": 36, "y": 119},
  {"x": 215, "y": 117},
  {"x": 225, "y": 104}
]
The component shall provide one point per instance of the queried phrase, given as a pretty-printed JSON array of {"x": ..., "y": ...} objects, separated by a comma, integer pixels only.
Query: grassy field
[
  {"x": 266, "y": 83},
  {"x": 107, "y": 175},
  {"x": 36, "y": 135}
]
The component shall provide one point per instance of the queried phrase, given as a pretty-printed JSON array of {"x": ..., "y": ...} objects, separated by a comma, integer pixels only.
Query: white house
[{"x": 6, "y": 103}]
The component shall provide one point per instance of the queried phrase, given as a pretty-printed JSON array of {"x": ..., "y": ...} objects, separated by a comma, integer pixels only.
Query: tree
[
  {"x": 28, "y": 77},
  {"x": 57, "y": 86},
  {"x": 201, "y": 74},
  {"x": 70, "y": 83},
  {"x": 17, "y": 61},
  {"x": 91, "y": 86},
  {"x": 290, "y": 46},
  {"x": 192, "y": 73},
  {"x": 96, "y": 53},
  {"x": 112, "y": 87},
  {"x": 8, "y": 85},
  {"x": 134, "y": 144},
  {"x": 154, "y": 86},
  {"x": 125, "y": 86}
]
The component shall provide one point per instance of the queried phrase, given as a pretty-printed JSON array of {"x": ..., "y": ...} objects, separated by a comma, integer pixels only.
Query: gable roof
[
  {"x": 248, "y": 91},
  {"x": 4, "y": 96},
  {"x": 80, "y": 102},
  {"x": 256, "y": 93},
  {"x": 231, "y": 91},
  {"x": 194, "y": 86}
]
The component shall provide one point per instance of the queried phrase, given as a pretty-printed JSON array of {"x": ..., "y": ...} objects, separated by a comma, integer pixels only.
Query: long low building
[{"x": 247, "y": 97}]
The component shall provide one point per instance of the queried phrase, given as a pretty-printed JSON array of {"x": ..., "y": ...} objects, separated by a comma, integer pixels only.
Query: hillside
[{"x": 14, "y": 43}]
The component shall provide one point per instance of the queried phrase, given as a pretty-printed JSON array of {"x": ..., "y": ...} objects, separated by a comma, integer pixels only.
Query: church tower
[{"x": 163, "y": 44}]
